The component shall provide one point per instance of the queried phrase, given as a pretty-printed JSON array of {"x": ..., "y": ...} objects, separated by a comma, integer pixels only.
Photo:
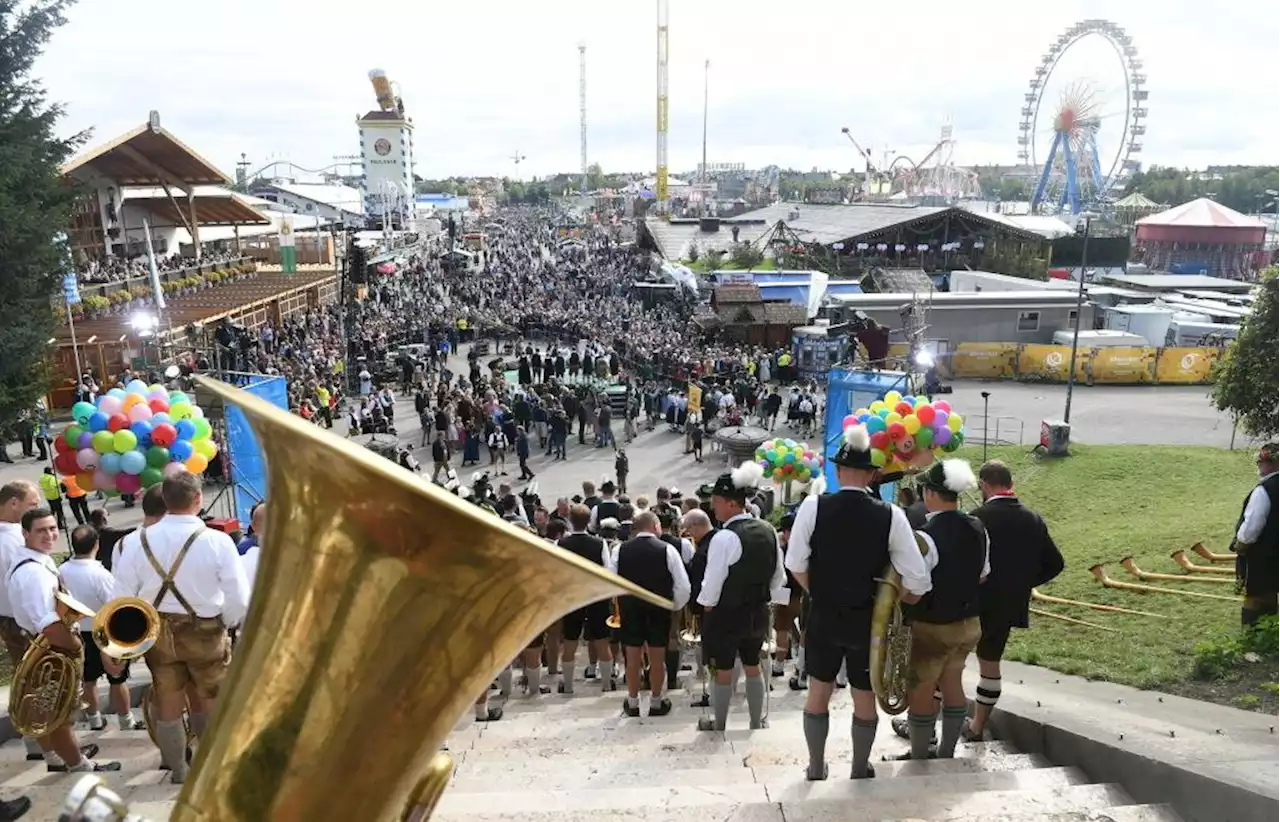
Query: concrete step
[
  {"x": 864, "y": 806},
  {"x": 1120, "y": 813}
]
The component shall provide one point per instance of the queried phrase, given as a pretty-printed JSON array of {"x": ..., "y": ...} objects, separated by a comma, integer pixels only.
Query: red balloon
[
  {"x": 880, "y": 440},
  {"x": 117, "y": 422},
  {"x": 926, "y": 414},
  {"x": 896, "y": 431},
  {"x": 66, "y": 463},
  {"x": 164, "y": 435},
  {"x": 158, "y": 406},
  {"x": 904, "y": 408},
  {"x": 60, "y": 445}
]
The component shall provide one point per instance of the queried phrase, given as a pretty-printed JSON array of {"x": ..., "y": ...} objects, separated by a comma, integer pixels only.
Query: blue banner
[
  {"x": 248, "y": 469},
  {"x": 848, "y": 390},
  {"x": 70, "y": 289}
]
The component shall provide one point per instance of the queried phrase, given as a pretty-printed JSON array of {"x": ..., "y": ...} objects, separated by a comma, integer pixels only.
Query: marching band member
[
  {"x": 784, "y": 616},
  {"x": 196, "y": 581},
  {"x": 651, "y": 563},
  {"x": 1257, "y": 567},
  {"x": 684, "y": 548},
  {"x": 697, "y": 525},
  {"x": 608, "y": 506},
  {"x": 32, "y": 582},
  {"x": 588, "y": 622},
  {"x": 90, "y": 583},
  {"x": 744, "y": 568},
  {"x": 16, "y": 498},
  {"x": 945, "y": 625},
  {"x": 839, "y": 546}
]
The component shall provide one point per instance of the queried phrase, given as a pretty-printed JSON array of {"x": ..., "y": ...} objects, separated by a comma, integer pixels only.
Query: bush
[
  {"x": 1221, "y": 657},
  {"x": 745, "y": 255},
  {"x": 95, "y": 302}
]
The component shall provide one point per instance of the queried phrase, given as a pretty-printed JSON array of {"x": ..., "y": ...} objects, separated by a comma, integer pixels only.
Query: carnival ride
[
  {"x": 936, "y": 176},
  {"x": 1083, "y": 117}
]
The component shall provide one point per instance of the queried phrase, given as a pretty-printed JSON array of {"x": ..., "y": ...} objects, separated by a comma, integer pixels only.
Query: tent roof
[
  {"x": 211, "y": 209},
  {"x": 1202, "y": 213},
  {"x": 1137, "y": 200},
  {"x": 149, "y": 156}
]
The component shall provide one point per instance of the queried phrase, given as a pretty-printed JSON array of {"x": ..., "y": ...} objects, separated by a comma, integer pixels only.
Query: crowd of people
[{"x": 118, "y": 269}]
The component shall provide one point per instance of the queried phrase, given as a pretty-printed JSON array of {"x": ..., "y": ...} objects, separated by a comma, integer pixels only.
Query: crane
[
  {"x": 866, "y": 156},
  {"x": 660, "y": 185},
  {"x": 582, "y": 110}
]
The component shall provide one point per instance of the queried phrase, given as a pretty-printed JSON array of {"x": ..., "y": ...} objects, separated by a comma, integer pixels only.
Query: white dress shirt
[
  {"x": 1256, "y": 510},
  {"x": 250, "y": 560},
  {"x": 680, "y": 587},
  {"x": 31, "y": 590},
  {"x": 904, "y": 554},
  {"x": 11, "y": 542},
  {"x": 725, "y": 550},
  {"x": 931, "y": 558},
  {"x": 89, "y": 582},
  {"x": 211, "y": 578}
]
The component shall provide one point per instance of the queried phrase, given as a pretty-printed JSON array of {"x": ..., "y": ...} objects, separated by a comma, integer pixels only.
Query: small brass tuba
[
  {"x": 364, "y": 562},
  {"x": 891, "y": 641},
  {"x": 46, "y": 685},
  {"x": 126, "y": 628},
  {"x": 614, "y": 622}
]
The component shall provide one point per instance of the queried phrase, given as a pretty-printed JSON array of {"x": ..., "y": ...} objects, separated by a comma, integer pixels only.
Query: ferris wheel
[{"x": 1084, "y": 117}]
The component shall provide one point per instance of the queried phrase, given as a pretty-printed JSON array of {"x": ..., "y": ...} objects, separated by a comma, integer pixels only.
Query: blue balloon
[
  {"x": 137, "y": 387},
  {"x": 133, "y": 462},
  {"x": 141, "y": 429},
  {"x": 161, "y": 417},
  {"x": 109, "y": 464},
  {"x": 118, "y": 393},
  {"x": 186, "y": 429},
  {"x": 789, "y": 457},
  {"x": 181, "y": 450},
  {"x": 911, "y": 401},
  {"x": 864, "y": 416},
  {"x": 97, "y": 421},
  {"x": 875, "y": 424}
]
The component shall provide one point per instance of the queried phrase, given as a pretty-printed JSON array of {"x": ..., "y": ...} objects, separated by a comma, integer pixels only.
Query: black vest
[
  {"x": 674, "y": 542},
  {"x": 605, "y": 509},
  {"x": 849, "y": 549},
  {"x": 1267, "y": 539},
  {"x": 748, "y": 581},
  {"x": 698, "y": 569},
  {"x": 643, "y": 560},
  {"x": 584, "y": 545},
  {"x": 961, "y": 544}
]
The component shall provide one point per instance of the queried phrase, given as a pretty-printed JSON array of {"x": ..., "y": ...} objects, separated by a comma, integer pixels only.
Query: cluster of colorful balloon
[
  {"x": 904, "y": 430},
  {"x": 784, "y": 460},
  {"x": 133, "y": 438}
]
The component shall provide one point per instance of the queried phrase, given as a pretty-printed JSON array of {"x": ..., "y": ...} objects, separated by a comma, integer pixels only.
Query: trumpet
[{"x": 614, "y": 622}]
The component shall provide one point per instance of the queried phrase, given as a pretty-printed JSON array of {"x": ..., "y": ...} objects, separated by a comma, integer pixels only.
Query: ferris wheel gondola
[{"x": 1081, "y": 132}]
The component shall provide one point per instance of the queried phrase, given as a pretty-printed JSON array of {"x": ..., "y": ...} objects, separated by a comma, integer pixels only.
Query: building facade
[{"x": 386, "y": 149}]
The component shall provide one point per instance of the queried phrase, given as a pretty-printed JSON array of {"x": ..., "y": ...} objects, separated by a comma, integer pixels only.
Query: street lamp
[{"x": 1088, "y": 218}]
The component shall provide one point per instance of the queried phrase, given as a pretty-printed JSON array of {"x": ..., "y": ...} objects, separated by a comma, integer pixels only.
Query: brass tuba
[
  {"x": 692, "y": 633},
  {"x": 363, "y": 563},
  {"x": 891, "y": 641},
  {"x": 614, "y": 622},
  {"x": 46, "y": 685},
  {"x": 126, "y": 628}
]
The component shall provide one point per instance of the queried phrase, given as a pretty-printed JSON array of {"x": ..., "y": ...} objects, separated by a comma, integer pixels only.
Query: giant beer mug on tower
[{"x": 331, "y": 709}]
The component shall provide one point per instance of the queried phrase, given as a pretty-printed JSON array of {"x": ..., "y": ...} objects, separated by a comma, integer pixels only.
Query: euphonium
[
  {"x": 126, "y": 628},
  {"x": 891, "y": 641},
  {"x": 331, "y": 710},
  {"x": 46, "y": 685}
]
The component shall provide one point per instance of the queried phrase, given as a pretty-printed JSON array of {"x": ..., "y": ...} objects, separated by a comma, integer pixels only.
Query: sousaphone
[{"x": 383, "y": 605}]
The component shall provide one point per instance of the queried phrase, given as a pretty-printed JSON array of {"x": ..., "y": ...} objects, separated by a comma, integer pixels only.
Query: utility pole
[
  {"x": 706, "y": 85},
  {"x": 660, "y": 184},
  {"x": 582, "y": 110},
  {"x": 1088, "y": 217}
]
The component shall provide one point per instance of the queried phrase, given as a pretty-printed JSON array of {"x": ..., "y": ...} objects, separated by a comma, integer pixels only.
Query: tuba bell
[
  {"x": 614, "y": 622},
  {"x": 692, "y": 633},
  {"x": 46, "y": 685},
  {"x": 126, "y": 628},
  {"x": 362, "y": 564},
  {"x": 891, "y": 641}
]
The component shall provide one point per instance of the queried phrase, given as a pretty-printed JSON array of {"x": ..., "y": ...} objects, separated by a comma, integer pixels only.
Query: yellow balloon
[
  {"x": 861, "y": 411},
  {"x": 892, "y": 417},
  {"x": 912, "y": 424},
  {"x": 877, "y": 406},
  {"x": 205, "y": 448},
  {"x": 955, "y": 422},
  {"x": 893, "y": 398},
  {"x": 181, "y": 411}
]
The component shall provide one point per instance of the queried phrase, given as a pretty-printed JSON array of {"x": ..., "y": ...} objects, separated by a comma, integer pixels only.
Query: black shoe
[
  {"x": 589, "y": 673},
  {"x": 706, "y": 723},
  {"x": 661, "y": 709},
  {"x": 630, "y": 710},
  {"x": 811, "y": 777},
  {"x": 703, "y": 701},
  {"x": 907, "y": 757},
  {"x": 188, "y": 756},
  {"x": 493, "y": 715},
  {"x": 870, "y": 774},
  {"x": 14, "y": 808},
  {"x": 798, "y": 684},
  {"x": 902, "y": 727}
]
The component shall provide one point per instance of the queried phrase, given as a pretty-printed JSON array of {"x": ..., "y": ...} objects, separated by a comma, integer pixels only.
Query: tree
[
  {"x": 35, "y": 204},
  {"x": 1245, "y": 379},
  {"x": 745, "y": 255}
]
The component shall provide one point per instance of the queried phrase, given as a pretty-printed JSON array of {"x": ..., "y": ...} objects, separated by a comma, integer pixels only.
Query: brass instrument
[
  {"x": 614, "y": 622},
  {"x": 1114, "y": 609},
  {"x": 1099, "y": 572},
  {"x": 126, "y": 628},
  {"x": 1190, "y": 567},
  {"x": 1148, "y": 576},
  {"x": 46, "y": 685},
  {"x": 891, "y": 641},
  {"x": 1072, "y": 620},
  {"x": 692, "y": 633},
  {"x": 1210, "y": 555},
  {"x": 363, "y": 563}
]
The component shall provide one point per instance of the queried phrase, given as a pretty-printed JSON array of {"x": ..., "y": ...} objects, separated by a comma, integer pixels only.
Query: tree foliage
[
  {"x": 1245, "y": 379},
  {"x": 1243, "y": 188},
  {"x": 745, "y": 255},
  {"x": 35, "y": 204}
]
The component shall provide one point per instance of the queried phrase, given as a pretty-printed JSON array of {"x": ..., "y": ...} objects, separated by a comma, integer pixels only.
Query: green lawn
[
  {"x": 1108, "y": 502},
  {"x": 728, "y": 265}
]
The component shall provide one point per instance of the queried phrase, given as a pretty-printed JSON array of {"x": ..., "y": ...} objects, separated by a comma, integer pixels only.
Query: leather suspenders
[{"x": 167, "y": 585}]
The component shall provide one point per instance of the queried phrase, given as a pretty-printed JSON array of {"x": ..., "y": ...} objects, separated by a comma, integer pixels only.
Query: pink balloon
[
  {"x": 848, "y": 421},
  {"x": 103, "y": 482},
  {"x": 942, "y": 405},
  {"x": 109, "y": 405},
  {"x": 87, "y": 459},
  {"x": 173, "y": 469},
  {"x": 140, "y": 413},
  {"x": 128, "y": 483}
]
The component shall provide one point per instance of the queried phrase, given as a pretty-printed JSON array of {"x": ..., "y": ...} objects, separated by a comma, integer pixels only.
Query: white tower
[{"x": 386, "y": 149}]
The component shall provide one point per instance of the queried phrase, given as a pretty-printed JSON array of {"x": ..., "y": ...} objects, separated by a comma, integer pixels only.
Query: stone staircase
[{"x": 555, "y": 758}]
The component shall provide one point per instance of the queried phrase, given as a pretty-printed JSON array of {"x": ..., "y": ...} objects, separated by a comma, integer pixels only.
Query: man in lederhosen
[
  {"x": 696, "y": 525},
  {"x": 684, "y": 549},
  {"x": 839, "y": 547},
  {"x": 588, "y": 622},
  {"x": 784, "y": 616},
  {"x": 945, "y": 624},
  {"x": 744, "y": 569},
  {"x": 1255, "y": 542},
  {"x": 195, "y": 579}
]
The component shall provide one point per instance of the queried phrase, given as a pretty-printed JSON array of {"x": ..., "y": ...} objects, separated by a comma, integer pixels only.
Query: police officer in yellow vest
[{"x": 51, "y": 489}]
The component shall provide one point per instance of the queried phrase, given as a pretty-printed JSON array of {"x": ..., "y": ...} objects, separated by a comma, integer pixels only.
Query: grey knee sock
[
  {"x": 199, "y": 723},
  {"x": 534, "y": 674},
  {"x": 32, "y": 746},
  {"x": 171, "y": 739},
  {"x": 720, "y": 703},
  {"x": 921, "y": 726},
  {"x": 504, "y": 682},
  {"x": 952, "y": 723},
  {"x": 815, "y": 736},
  {"x": 864, "y": 736},
  {"x": 755, "y": 699}
]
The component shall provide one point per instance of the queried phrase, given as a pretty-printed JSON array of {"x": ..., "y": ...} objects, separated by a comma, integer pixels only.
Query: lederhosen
[{"x": 172, "y": 625}]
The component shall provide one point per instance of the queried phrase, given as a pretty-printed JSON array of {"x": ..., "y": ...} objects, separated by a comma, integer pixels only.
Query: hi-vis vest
[{"x": 49, "y": 485}]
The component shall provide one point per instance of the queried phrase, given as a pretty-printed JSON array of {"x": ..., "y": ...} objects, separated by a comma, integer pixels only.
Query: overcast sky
[{"x": 485, "y": 78}]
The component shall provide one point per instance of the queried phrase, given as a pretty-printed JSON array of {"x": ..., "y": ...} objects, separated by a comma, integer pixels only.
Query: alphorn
[
  {"x": 1072, "y": 620},
  {"x": 1097, "y": 606},
  {"x": 1099, "y": 573},
  {"x": 1185, "y": 562},
  {"x": 1148, "y": 576},
  {"x": 1211, "y": 556}
]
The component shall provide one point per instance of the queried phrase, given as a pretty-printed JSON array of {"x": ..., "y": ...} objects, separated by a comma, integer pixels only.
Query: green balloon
[
  {"x": 924, "y": 438},
  {"x": 150, "y": 476},
  {"x": 104, "y": 442},
  {"x": 72, "y": 435},
  {"x": 157, "y": 456},
  {"x": 124, "y": 441},
  {"x": 203, "y": 431}
]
